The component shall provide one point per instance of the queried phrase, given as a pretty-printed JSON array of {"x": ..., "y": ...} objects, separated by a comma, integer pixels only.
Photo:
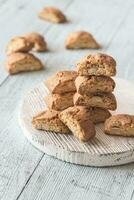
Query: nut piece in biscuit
[
  {"x": 81, "y": 40},
  {"x": 18, "y": 44},
  {"x": 78, "y": 122},
  {"x": 101, "y": 100},
  {"x": 59, "y": 101},
  {"x": 121, "y": 124},
  {"x": 94, "y": 84},
  {"x": 49, "y": 121},
  {"x": 38, "y": 41},
  {"x": 20, "y": 62},
  {"x": 97, "y": 64},
  {"x": 52, "y": 14},
  {"x": 61, "y": 82}
]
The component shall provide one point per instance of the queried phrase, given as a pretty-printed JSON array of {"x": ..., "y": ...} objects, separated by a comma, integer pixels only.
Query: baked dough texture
[
  {"x": 61, "y": 82},
  {"x": 77, "y": 120},
  {"x": 49, "y": 121},
  {"x": 18, "y": 44},
  {"x": 94, "y": 84},
  {"x": 59, "y": 101},
  {"x": 102, "y": 100},
  {"x": 52, "y": 14},
  {"x": 20, "y": 62},
  {"x": 38, "y": 41},
  {"x": 97, "y": 64},
  {"x": 121, "y": 124},
  {"x": 81, "y": 40}
]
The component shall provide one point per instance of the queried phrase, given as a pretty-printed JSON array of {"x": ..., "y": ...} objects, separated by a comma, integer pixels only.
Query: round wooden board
[{"x": 103, "y": 150}]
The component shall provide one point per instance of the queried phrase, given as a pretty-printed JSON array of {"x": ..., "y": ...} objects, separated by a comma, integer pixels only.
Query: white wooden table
[{"x": 25, "y": 172}]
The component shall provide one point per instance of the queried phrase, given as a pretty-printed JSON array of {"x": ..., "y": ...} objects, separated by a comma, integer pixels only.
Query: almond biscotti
[
  {"x": 18, "y": 44},
  {"x": 102, "y": 100},
  {"x": 38, "y": 41},
  {"x": 121, "y": 124},
  {"x": 77, "y": 120},
  {"x": 49, "y": 121},
  {"x": 59, "y": 101},
  {"x": 52, "y": 14},
  {"x": 94, "y": 84},
  {"x": 20, "y": 62},
  {"x": 81, "y": 40},
  {"x": 97, "y": 64},
  {"x": 61, "y": 82}
]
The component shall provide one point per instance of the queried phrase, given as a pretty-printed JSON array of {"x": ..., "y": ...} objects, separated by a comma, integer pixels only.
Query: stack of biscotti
[{"x": 94, "y": 84}]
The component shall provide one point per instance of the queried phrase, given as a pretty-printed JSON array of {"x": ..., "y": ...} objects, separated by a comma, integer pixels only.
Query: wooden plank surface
[{"x": 25, "y": 173}]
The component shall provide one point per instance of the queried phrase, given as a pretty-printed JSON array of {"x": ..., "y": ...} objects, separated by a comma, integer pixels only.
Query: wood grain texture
[{"x": 23, "y": 172}]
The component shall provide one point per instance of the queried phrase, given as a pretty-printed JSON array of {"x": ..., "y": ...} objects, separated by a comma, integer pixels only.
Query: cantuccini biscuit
[
  {"x": 38, "y": 41},
  {"x": 102, "y": 100},
  {"x": 61, "y": 82},
  {"x": 18, "y": 44},
  {"x": 78, "y": 122},
  {"x": 94, "y": 84},
  {"x": 97, "y": 64},
  {"x": 59, "y": 101},
  {"x": 19, "y": 62},
  {"x": 81, "y": 40},
  {"x": 121, "y": 124},
  {"x": 52, "y": 14},
  {"x": 49, "y": 121}
]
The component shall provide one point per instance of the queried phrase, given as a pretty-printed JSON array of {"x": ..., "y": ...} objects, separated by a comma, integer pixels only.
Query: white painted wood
[
  {"x": 103, "y": 150},
  {"x": 111, "y": 22}
]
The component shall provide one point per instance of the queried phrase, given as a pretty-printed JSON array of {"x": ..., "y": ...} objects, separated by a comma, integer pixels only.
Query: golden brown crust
[
  {"x": 18, "y": 44},
  {"x": 61, "y": 82},
  {"x": 78, "y": 122},
  {"x": 52, "y": 14},
  {"x": 81, "y": 40},
  {"x": 94, "y": 84},
  {"x": 102, "y": 100},
  {"x": 59, "y": 101},
  {"x": 49, "y": 121},
  {"x": 19, "y": 62},
  {"x": 38, "y": 41},
  {"x": 121, "y": 124},
  {"x": 97, "y": 64}
]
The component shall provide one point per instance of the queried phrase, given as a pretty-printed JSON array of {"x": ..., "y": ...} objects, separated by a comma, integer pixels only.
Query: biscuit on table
[
  {"x": 81, "y": 40},
  {"x": 77, "y": 120},
  {"x": 102, "y": 100},
  {"x": 121, "y": 124},
  {"x": 52, "y": 14},
  {"x": 61, "y": 82},
  {"x": 94, "y": 84},
  {"x": 59, "y": 101},
  {"x": 49, "y": 121},
  {"x": 18, "y": 44},
  {"x": 97, "y": 64},
  {"x": 38, "y": 41},
  {"x": 20, "y": 62}
]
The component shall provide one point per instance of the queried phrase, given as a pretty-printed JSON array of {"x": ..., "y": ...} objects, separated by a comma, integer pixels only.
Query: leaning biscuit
[
  {"x": 20, "y": 62},
  {"x": 49, "y": 121},
  {"x": 94, "y": 84},
  {"x": 81, "y": 40},
  {"x": 121, "y": 124},
  {"x": 97, "y": 64},
  {"x": 59, "y": 101},
  {"x": 52, "y": 14},
  {"x": 102, "y": 100},
  {"x": 38, "y": 41},
  {"x": 18, "y": 44},
  {"x": 77, "y": 120},
  {"x": 61, "y": 82}
]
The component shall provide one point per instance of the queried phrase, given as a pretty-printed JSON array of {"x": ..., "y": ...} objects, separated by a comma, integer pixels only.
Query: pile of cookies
[
  {"x": 79, "y": 99},
  {"x": 18, "y": 57}
]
